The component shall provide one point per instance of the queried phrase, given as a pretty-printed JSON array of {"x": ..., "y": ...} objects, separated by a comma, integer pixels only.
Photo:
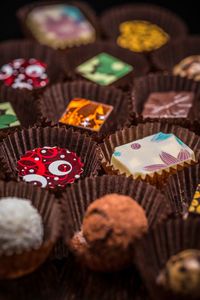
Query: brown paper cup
[
  {"x": 158, "y": 246},
  {"x": 87, "y": 11},
  {"x": 27, "y": 49},
  {"x": 18, "y": 265},
  {"x": 151, "y": 83},
  {"x": 134, "y": 133},
  {"x": 77, "y": 56},
  {"x": 56, "y": 98},
  {"x": 181, "y": 187},
  {"x": 17, "y": 144},
  {"x": 167, "y": 20},
  {"x": 80, "y": 195},
  {"x": 77, "y": 283},
  {"x": 171, "y": 54},
  {"x": 41, "y": 283},
  {"x": 23, "y": 104}
]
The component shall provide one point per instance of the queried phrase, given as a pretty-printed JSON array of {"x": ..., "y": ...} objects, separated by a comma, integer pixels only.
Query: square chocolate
[
  {"x": 8, "y": 117},
  {"x": 60, "y": 26},
  {"x": 168, "y": 105},
  {"x": 151, "y": 154},
  {"x": 86, "y": 114},
  {"x": 104, "y": 69}
]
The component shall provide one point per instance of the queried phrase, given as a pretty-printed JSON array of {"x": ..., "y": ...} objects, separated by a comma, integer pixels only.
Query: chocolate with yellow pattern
[
  {"x": 139, "y": 36},
  {"x": 195, "y": 204},
  {"x": 86, "y": 114}
]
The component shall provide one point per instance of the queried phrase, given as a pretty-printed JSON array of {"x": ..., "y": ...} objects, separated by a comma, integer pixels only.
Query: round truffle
[
  {"x": 182, "y": 273},
  {"x": 21, "y": 226},
  {"x": 110, "y": 227}
]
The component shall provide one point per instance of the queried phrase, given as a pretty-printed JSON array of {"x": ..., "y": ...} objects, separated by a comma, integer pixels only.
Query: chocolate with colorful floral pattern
[
  {"x": 24, "y": 74},
  {"x": 60, "y": 26},
  {"x": 49, "y": 166},
  {"x": 150, "y": 155}
]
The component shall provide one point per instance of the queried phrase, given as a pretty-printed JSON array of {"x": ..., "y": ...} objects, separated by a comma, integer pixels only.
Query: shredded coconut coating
[{"x": 21, "y": 226}]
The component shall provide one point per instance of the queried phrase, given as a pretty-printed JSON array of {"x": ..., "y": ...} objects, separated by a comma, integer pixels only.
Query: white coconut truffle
[{"x": 21, "y": 226}]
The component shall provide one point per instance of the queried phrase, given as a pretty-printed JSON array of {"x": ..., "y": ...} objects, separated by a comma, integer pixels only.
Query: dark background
[{"x": 9, "y": 27}]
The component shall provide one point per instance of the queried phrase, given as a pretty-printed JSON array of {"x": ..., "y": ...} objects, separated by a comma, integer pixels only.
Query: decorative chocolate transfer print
[
  {"x": 86, "y": 114},
  {"x": 60, "y": 26},
  {"x": 8, "y": 117},
  {"x": 139, "y": 36},
  {"x": 151, "y": 154},
  {"x": 104, "y": 69},
  {"x": 168, "y": 105},
  {"x": 49, "y": 166},
  {"x": 24, "y": 74},
  {"x": 195, "y": 204}
]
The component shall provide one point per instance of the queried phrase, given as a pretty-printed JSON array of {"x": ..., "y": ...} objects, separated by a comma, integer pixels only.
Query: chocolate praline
[
  {"x": 169, "y": 104},
  {"x": 21, "y": 226},
  {"x": 111, "y": 226},
  {"x": 182, "y": 273}
]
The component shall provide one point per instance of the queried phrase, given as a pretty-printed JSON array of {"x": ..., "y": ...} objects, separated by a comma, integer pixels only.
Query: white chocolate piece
[{"x": 151, "y": 154}]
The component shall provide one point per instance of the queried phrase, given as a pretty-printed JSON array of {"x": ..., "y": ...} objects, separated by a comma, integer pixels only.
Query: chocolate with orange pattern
[{"x": 86, "y": 114}]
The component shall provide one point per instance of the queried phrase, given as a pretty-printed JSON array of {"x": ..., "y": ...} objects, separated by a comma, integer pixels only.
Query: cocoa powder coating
[{"x": 110, "y": 227}]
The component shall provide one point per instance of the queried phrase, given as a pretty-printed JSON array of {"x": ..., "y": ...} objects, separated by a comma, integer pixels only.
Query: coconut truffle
[
  {"x": 110, "y": 227},
  {"x": 182, "y": 273},
  {"x": 21, "y": 226}
]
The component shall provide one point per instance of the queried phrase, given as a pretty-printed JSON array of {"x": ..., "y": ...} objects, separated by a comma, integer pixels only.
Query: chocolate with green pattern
[
  {"x": 104, "y": 69},
  {"x": 8, "y": 117}
]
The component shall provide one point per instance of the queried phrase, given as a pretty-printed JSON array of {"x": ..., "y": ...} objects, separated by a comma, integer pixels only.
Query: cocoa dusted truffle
[
  {"x": 110, "y": 227},
  {"x": 182, "y": 273}
]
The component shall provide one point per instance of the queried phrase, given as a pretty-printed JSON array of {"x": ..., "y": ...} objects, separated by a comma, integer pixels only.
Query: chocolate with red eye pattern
[
  {"x": 49, "y": 166},
  {"x": 24, "y": 74}
]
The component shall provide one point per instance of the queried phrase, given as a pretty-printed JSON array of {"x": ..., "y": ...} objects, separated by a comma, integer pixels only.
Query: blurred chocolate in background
[{"x": 10, "y": 29}]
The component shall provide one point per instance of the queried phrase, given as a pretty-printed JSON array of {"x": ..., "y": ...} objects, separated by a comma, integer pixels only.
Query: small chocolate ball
[
  {"x": 110, "y": 227},
  {"x": 182, "y": 273},
  {"x": 21, "y": 226}
]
